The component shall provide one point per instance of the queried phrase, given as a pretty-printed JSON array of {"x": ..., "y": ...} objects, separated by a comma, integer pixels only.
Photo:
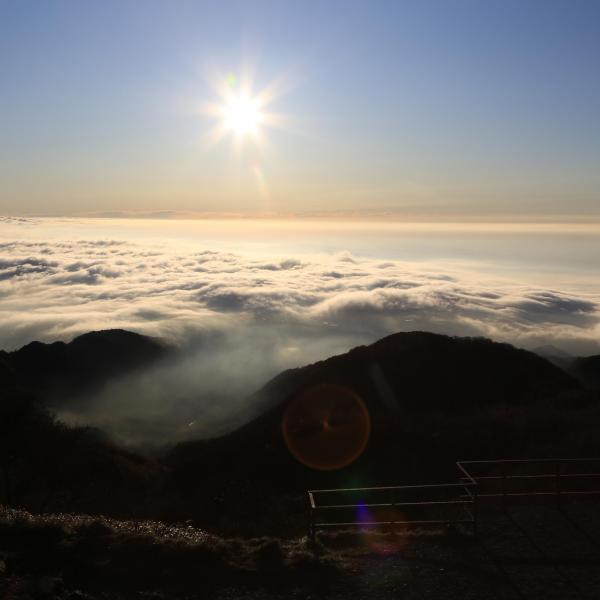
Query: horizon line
[{"x": 342, "y": 215}]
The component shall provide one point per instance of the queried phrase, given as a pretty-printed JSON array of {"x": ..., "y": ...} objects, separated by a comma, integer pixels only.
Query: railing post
[
  {"x": 475, "y": 512},
  {"x": 503, "y": 487},
  {"x": 311, "y": 519},
  {"x": 557, "y": 485},
  {"x": 393, "y": 512}
]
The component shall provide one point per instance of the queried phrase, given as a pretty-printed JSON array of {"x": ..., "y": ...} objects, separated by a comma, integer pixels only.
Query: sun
[
  {"x": 242, "y": 115},
  {"x": 242, "y": 112}
]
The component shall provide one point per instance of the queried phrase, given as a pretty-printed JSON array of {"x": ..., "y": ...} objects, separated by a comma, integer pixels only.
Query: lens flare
[
  {"x": 327, "y": 427},
  {"x": 382, "y": 539}
]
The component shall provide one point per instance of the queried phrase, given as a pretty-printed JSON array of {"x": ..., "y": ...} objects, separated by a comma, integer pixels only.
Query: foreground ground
[{"x": 526, "y": 552}]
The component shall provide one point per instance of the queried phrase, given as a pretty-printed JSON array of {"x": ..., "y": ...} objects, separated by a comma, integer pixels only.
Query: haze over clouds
[
  {"x": 56, "y": 288},
  {"x": 241, "y": 318}
]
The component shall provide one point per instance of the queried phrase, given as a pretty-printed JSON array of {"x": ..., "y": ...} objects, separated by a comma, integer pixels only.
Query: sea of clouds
[{"x": 242, "y": 318}]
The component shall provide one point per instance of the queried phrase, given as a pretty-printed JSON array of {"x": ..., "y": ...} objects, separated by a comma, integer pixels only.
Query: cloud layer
[
  {"x": 244, "y": 318},
  {"x": 54, "y": 290}
]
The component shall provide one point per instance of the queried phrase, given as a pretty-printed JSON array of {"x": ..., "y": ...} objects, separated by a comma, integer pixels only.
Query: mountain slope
[
  {"x": 88, "y": 361},
  {"x": 587, "y": 371},
  {"x": 425, "y": 371},
  {"x": 430, "y": 397}
]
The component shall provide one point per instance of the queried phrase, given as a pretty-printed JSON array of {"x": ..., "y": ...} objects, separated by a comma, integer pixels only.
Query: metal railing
[
  {"x": 392, "y": 507},
  {"x": 532, "y": 477},
  {"x": 445, "y": 504}
]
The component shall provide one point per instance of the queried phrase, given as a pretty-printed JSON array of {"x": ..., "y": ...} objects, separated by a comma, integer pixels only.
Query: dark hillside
[
  {"x": 47, "y": 466},
  {"x": 432, "y": 399},
  {"x": 415, "y": 372},
  {"x": 587, "y": 371},
  {"x": 425, "y": 371},
  {"x": 61, "y": 369}
]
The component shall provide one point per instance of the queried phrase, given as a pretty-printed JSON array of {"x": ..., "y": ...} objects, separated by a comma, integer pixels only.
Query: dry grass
[{"x": 102, "y": 554}]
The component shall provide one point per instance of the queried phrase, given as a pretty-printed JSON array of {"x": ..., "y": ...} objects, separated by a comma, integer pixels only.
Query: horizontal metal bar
[
  {"x": 543, "y": 476},
  {"x": 375, "y": 523},
  {"x": 423, "y": 503},
  {"x": 395, "y": 487},
  {"x": 317, "y": 507},
  {"x": 473, "y": 479},
  {"x": 555, "y": 493},
  {"x": 525, "y": 460}
]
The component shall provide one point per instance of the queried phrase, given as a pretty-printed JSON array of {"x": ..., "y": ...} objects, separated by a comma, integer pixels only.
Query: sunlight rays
[{"x": 241, "y": 113}]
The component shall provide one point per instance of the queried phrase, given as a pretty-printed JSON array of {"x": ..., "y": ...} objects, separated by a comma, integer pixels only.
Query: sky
[
  {"x": 451, "y": 110},
  {"x": 266, "y": 184}
]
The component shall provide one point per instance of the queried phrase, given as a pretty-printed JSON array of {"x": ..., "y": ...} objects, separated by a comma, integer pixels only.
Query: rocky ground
[{"x": 526, "y": 552}]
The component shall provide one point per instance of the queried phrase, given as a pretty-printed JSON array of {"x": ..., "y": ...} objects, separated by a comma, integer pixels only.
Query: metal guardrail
[
  {"x": 391, "y": 506},
  {"x": 453, "y": 503},
  {"x": 532, "y": 477}
]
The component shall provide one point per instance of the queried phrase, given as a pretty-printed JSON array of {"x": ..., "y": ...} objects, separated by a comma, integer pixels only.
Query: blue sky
[{"x": 447, "y": 109}]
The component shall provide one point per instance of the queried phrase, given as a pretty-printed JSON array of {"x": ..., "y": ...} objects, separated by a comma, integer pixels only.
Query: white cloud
[
  {"x": 57, "y": 289},
  {"x": 243, "y": 318}
]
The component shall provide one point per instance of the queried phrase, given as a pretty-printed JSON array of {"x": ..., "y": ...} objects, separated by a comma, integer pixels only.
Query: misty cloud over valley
[{"x": 237, "y": 319}]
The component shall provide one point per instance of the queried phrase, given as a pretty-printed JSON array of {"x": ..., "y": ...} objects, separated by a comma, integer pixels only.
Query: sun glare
[{"x": 242, "y": 115}]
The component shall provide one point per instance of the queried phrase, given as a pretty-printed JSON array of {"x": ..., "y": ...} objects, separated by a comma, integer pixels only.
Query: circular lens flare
[{"x": 326, "y": 427}]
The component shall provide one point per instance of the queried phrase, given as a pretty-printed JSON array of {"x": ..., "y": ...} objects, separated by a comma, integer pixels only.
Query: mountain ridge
[
  {"x": 478, "y": 379},
  {"x": 407, "y": 344},
  {"x": 431, "y": 399},
  {"x": 60, "y": 369}
]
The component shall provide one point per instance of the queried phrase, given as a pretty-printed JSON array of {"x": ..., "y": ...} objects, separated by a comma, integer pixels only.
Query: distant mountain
[
  {"x": 88, "y": 361},
  {"x": 550, "y": 351},
  {"x": 587, "y": 371},
  {"x": 419, "y": 371},
  {"x": 413, "y": 371},
  {"x": 555, "y": 355},
  {"x": 414, "y": 384},
  {"x": 432, "y": 399}
]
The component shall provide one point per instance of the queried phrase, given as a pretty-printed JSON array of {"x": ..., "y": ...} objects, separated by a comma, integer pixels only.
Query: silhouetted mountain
[
  {"x": 49, "y": 466},
  {"x": 425, "y": 371},
  {"x": 587, "y": 371},
  {"x": 415, "y": 385},
  {"x": 420, "y": 372},
  {"x": 432, "y": 399},
  {"x": 88, "y": 361},
  {"x": 7, "y": 374},
  {"x": 555, "y": 355},
  {"x": 551, "y": 351}
]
